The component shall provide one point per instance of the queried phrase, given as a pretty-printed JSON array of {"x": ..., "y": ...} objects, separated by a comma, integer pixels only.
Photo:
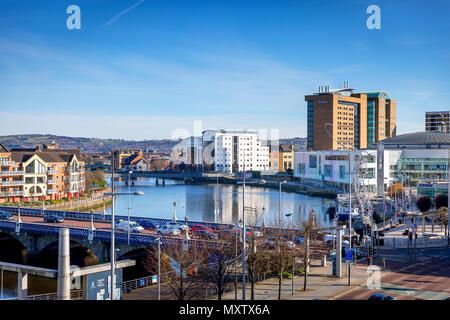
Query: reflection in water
[{"x": 197, "y": 202}]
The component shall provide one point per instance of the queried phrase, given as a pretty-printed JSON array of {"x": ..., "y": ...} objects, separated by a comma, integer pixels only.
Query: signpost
[{"x": 99, "y": 285}]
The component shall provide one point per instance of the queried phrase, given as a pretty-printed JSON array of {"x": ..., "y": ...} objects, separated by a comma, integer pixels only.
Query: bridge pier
[
  {"x": 157, "y": 181},
  {"x": 163, "y": 182}
]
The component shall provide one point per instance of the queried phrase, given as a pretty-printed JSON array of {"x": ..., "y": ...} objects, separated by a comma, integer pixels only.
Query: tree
[
  {"x": 423, "y": 203},
  {"x": 221, "y": 258},
  {"x": 184, "y": 261},
  {"x": 395, "y": 190},
  {"x": 441, "y": 201},
  {"x": 308, "y": 229},
  {"x": 94, "y": 177}
]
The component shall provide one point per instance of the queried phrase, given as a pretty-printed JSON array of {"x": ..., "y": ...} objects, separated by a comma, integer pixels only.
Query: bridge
[
  {"x": 176, "y": 175},
  {"x": 34, "y": 234}
]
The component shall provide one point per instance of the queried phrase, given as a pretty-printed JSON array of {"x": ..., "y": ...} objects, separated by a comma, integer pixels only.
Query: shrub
[
  {"x": 441, "y": 201},
  {"x": 423, "y": 203}
]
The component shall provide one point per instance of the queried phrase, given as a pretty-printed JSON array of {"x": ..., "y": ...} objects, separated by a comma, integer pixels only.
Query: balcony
[
  {"x": 11, "y": 173},
  {"x": 7, "y": 163},
  {"x": 52, "y": 181},
  {"x": 52, "y": 191},
  {"x": 52, "y": 171},
  {"x": 12, "y": 183},
  {"x": 11, "y": 194}
]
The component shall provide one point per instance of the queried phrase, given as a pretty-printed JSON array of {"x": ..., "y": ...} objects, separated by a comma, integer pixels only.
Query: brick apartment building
[{"x": 40, "y": 173}]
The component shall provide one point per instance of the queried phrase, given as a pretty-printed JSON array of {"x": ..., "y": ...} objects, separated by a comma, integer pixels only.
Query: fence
[
  {"x": 421, "y": 242},
  {"x": 74, "y": 295}
]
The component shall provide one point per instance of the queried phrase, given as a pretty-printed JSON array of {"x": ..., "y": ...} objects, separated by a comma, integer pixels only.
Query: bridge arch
[
  {"x": 47, "y": 257},
  {"x": 12, "y": 249}
]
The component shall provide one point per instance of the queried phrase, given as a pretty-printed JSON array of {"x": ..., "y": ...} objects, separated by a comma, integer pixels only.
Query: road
[{"x": 427, "y": 277}]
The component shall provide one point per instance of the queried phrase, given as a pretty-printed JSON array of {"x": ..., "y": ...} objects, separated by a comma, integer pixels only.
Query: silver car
[{"x": 168, "y": 230}]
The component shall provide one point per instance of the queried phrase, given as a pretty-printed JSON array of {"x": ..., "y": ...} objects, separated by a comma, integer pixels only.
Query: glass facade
[
  {"x": 310, "y": 138},
  {"x": 370, "y": 122}
]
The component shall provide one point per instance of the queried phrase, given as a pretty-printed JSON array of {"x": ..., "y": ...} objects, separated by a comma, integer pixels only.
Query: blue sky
[{"x": 154, "y": 69}]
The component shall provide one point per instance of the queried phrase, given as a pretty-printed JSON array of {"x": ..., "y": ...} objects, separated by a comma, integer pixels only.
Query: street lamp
[
  {"x": 113, "y": 194},
  {"x": 293, "y": 245},
  {"x": 235, "y": 261},
  {"x": 129, "y": 195}
]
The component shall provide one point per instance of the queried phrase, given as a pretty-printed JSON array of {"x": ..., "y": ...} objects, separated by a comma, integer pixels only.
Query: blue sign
[
  {"x": 349, "y": 255},
  {"x": 99, "y": 285},
  {"x": 142, "y": 282}
]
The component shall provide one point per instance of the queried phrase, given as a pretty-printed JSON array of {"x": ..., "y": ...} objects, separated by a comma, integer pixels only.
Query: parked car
[
  {"x": 181, "y": 226},
  {"x": 381, "y": 296},
  {"x": 6, "y": 216},
  {"x": 146, "y": 224},
  {"x": 53, "y": 218},
  {"x": 168, "y": 230},
  {"x": 199, "y": 227},
  {"x": 132, "y": 226},
  {"x": 205, "y": 234}
]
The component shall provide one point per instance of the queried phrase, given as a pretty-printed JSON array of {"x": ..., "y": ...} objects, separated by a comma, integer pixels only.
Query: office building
[
  {"x": 339, "y": 119},
  {"x": 437, "y": 121},
  {"x": 282, "y": 159}
]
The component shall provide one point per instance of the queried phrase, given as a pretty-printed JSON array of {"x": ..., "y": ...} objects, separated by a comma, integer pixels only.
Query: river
[{"x": 198, "y": 202}]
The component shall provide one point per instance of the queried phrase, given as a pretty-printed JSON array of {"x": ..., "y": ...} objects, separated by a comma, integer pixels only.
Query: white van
[{"x": 132, "y": 226}]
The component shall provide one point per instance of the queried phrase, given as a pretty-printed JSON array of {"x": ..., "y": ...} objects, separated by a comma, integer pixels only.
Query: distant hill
[
  {"x": 91, "y": 145},
  {"x": 87, "y": 145}
]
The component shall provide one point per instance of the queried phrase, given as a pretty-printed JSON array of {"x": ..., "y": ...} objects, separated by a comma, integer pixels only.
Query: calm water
[{"x": 197, "y": 202}]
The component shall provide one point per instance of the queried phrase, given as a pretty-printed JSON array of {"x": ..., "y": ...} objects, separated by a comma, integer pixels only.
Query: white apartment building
[{"x": 233, "y": 150}]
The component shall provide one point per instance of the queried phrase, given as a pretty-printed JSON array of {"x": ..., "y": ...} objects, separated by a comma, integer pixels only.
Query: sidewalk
[{"x": 321, "y": 285}]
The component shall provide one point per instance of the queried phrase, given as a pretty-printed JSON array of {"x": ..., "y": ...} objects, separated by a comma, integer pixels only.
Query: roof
[
  {"x": 378, "y": 94},
  {"x": 419, "y": 138},
  {"x": 47, "y": 156},
  {"x": 3, "y": 148}
]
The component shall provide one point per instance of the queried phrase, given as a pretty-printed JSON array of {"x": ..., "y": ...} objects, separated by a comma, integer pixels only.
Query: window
[
  {"x": 313, "y": 161},
  {"x": 341, "y": 172},
  {"x": 328, "y": 169}
]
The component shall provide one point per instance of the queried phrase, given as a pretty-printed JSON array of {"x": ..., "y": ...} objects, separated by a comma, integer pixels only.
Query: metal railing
[
  {"x": 74, "y": 295},
  {"x": 12, "y": 183},
  {"x": 7, "y": 163},
  {"x": 12, "y": 193},
  {"x": 12, "y": 173}
]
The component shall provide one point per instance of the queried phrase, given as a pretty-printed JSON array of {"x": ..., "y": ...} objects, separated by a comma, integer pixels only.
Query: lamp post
[
  {"x": 243, "y": 229},
  {"x": 235, "y": 260},
  {"x": 159, "y": 268},
  {"x": 113, "y": 251},
  {"x": 293, "y": 245},
  {"x": 129, "y": 195}
]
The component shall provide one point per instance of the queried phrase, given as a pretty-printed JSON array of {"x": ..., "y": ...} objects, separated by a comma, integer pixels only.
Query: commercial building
[
  {"x": 413, "y": 159},
  {"x": 437, "y": 121},
  {"x": 47, "y": 173},
  {"x": 338, "y": 119},
  {"x": 282, "y": 158},
  {"x": 233, "y": 150}
]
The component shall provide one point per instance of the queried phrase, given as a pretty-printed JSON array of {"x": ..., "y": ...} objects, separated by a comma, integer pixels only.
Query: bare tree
[
  {"x": 184, "y": 261},
  {"x": 221, "y": 258},
  {"x": 308, "y": 229}
]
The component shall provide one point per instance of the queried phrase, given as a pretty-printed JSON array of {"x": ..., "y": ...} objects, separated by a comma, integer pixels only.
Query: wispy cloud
[{"x": 115, "y": 18}]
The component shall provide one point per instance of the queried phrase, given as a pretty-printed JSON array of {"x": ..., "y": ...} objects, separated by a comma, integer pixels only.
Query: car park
[
  {"x": 6, "y": 216},
  {"x": 53, "y": 218}
]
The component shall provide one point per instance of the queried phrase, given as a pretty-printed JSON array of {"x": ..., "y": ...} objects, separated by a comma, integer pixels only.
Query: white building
[
  {"x": 232, "y": 150},
  {"x": 331, "y": 168},
  {"x": 188, "y": 151}
]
